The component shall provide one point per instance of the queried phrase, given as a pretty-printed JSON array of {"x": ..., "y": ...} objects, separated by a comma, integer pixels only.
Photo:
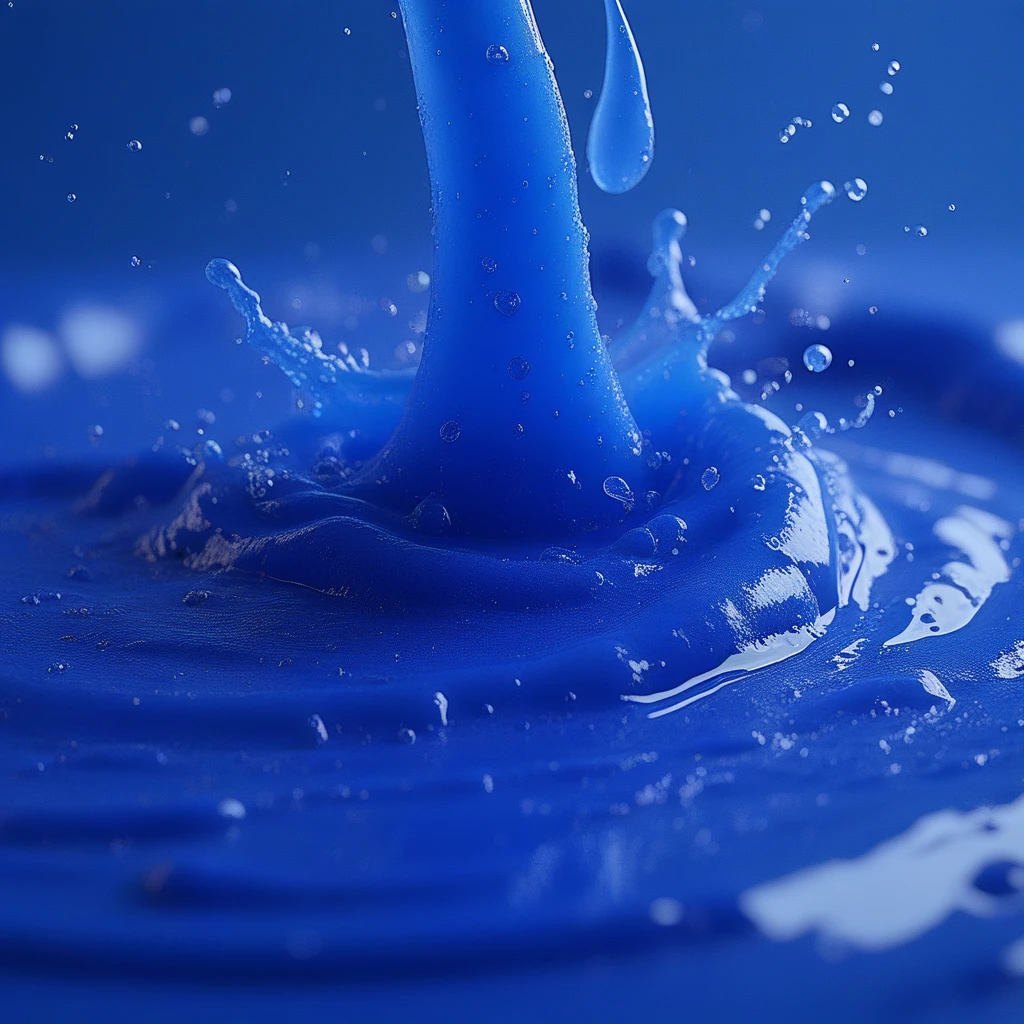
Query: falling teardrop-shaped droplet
[{"x": 620, "y": 147}]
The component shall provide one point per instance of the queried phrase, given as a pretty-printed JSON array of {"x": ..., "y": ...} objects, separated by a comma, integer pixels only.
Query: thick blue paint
[{"x": 441, "y": 780}]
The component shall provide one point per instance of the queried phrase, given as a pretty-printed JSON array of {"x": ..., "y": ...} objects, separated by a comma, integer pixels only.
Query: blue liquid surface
[{"x": 396, "y": 690}]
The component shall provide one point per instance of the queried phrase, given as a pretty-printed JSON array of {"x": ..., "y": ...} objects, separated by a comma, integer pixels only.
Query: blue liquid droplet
[
  {"x": 620, "y": 147},
  {"x": 450, "y": 431},
  {"x": 817, "y": 358},
  {"x": 507, "y": 302},
  {"x": 617, "y": 488},
  {"x": 518, "y": 368}
]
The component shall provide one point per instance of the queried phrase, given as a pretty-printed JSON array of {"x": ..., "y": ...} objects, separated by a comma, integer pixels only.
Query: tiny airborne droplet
[
  {"x": 450, "y": 431},
  {"x": 507, "y": 302},
  {"x": 518, "y": 368},
  {"x": 856, "y": 189},
  {"x": 840, "y": 112},
  {"x": 817, "y": 358}
]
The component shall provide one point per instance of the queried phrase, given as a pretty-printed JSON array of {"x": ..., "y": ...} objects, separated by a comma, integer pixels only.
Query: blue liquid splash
[
  {"x": 620, "y": 147},
  {"x": 620, "y": 662}
]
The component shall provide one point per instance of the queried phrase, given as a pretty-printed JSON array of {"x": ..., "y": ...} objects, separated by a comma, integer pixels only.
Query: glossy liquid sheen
[{"x": 578, "y": 602}]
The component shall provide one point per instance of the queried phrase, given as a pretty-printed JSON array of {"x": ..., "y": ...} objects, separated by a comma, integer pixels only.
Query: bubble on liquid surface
[
  {"x": 450, "y": 431},
  {"x": 617, "y": 488},
  {"x": 840, "y": 112},
  {"x": 710, "y": 477},
  {"x": 817, "y": 358},
  {"x": 518, "y": 368},
  {"x": 875, "y": 118},
  {"x": 669, "y": 533},
  {"x": 893, "y": 68},
  {"x": 620, "y": 146},
  {"x": 856, "y": 189},
  {"x": 431, "y": 517},
  {"x": 490, "y": 265},
  {"x": 135, "y": 146},
  {"x": 497, "y": 54},
  {"x": 507, "y": 302}
]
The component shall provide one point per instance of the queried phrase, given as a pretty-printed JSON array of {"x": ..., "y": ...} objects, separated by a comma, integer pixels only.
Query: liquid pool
[{"x": 670, "y": 659}]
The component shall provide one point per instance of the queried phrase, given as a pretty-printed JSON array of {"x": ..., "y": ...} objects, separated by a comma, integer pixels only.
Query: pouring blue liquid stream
[{"x": 531, "y": 529}]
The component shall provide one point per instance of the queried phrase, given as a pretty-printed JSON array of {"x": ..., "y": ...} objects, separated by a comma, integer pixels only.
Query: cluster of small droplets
[{"x": 790, "y": 130}]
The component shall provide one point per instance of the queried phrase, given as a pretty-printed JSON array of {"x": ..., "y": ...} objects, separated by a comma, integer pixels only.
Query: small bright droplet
[
  {"x": 874, "y": 46},
  {"x": 875, "y": 118},
  {"x": 450, "y": 431},
  {"x": 418, "y": 281},
  {"x": 840, "y": 112},
  {"x": 710, "y": 477},
  {"x": 136, "y": 261},
  {"x": 952, "y": 207},
  {"x": 872, "y": 310},
  {"x": 507, "y": 302},
  {"x": 135, "y": 146},
  {"x": 886, "y": 87},
  {"x": 72, "y": 197},
  {"x": 817, "y": 358},
  {"x": 893, "y": 68},
  {"x": 497, "y": 54},
  {"x": 620, "y": 147},
  {"x": 856, "y": 189},
  {"x": 223, "y": 95},
  {"x": 920, "y": 231}
]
